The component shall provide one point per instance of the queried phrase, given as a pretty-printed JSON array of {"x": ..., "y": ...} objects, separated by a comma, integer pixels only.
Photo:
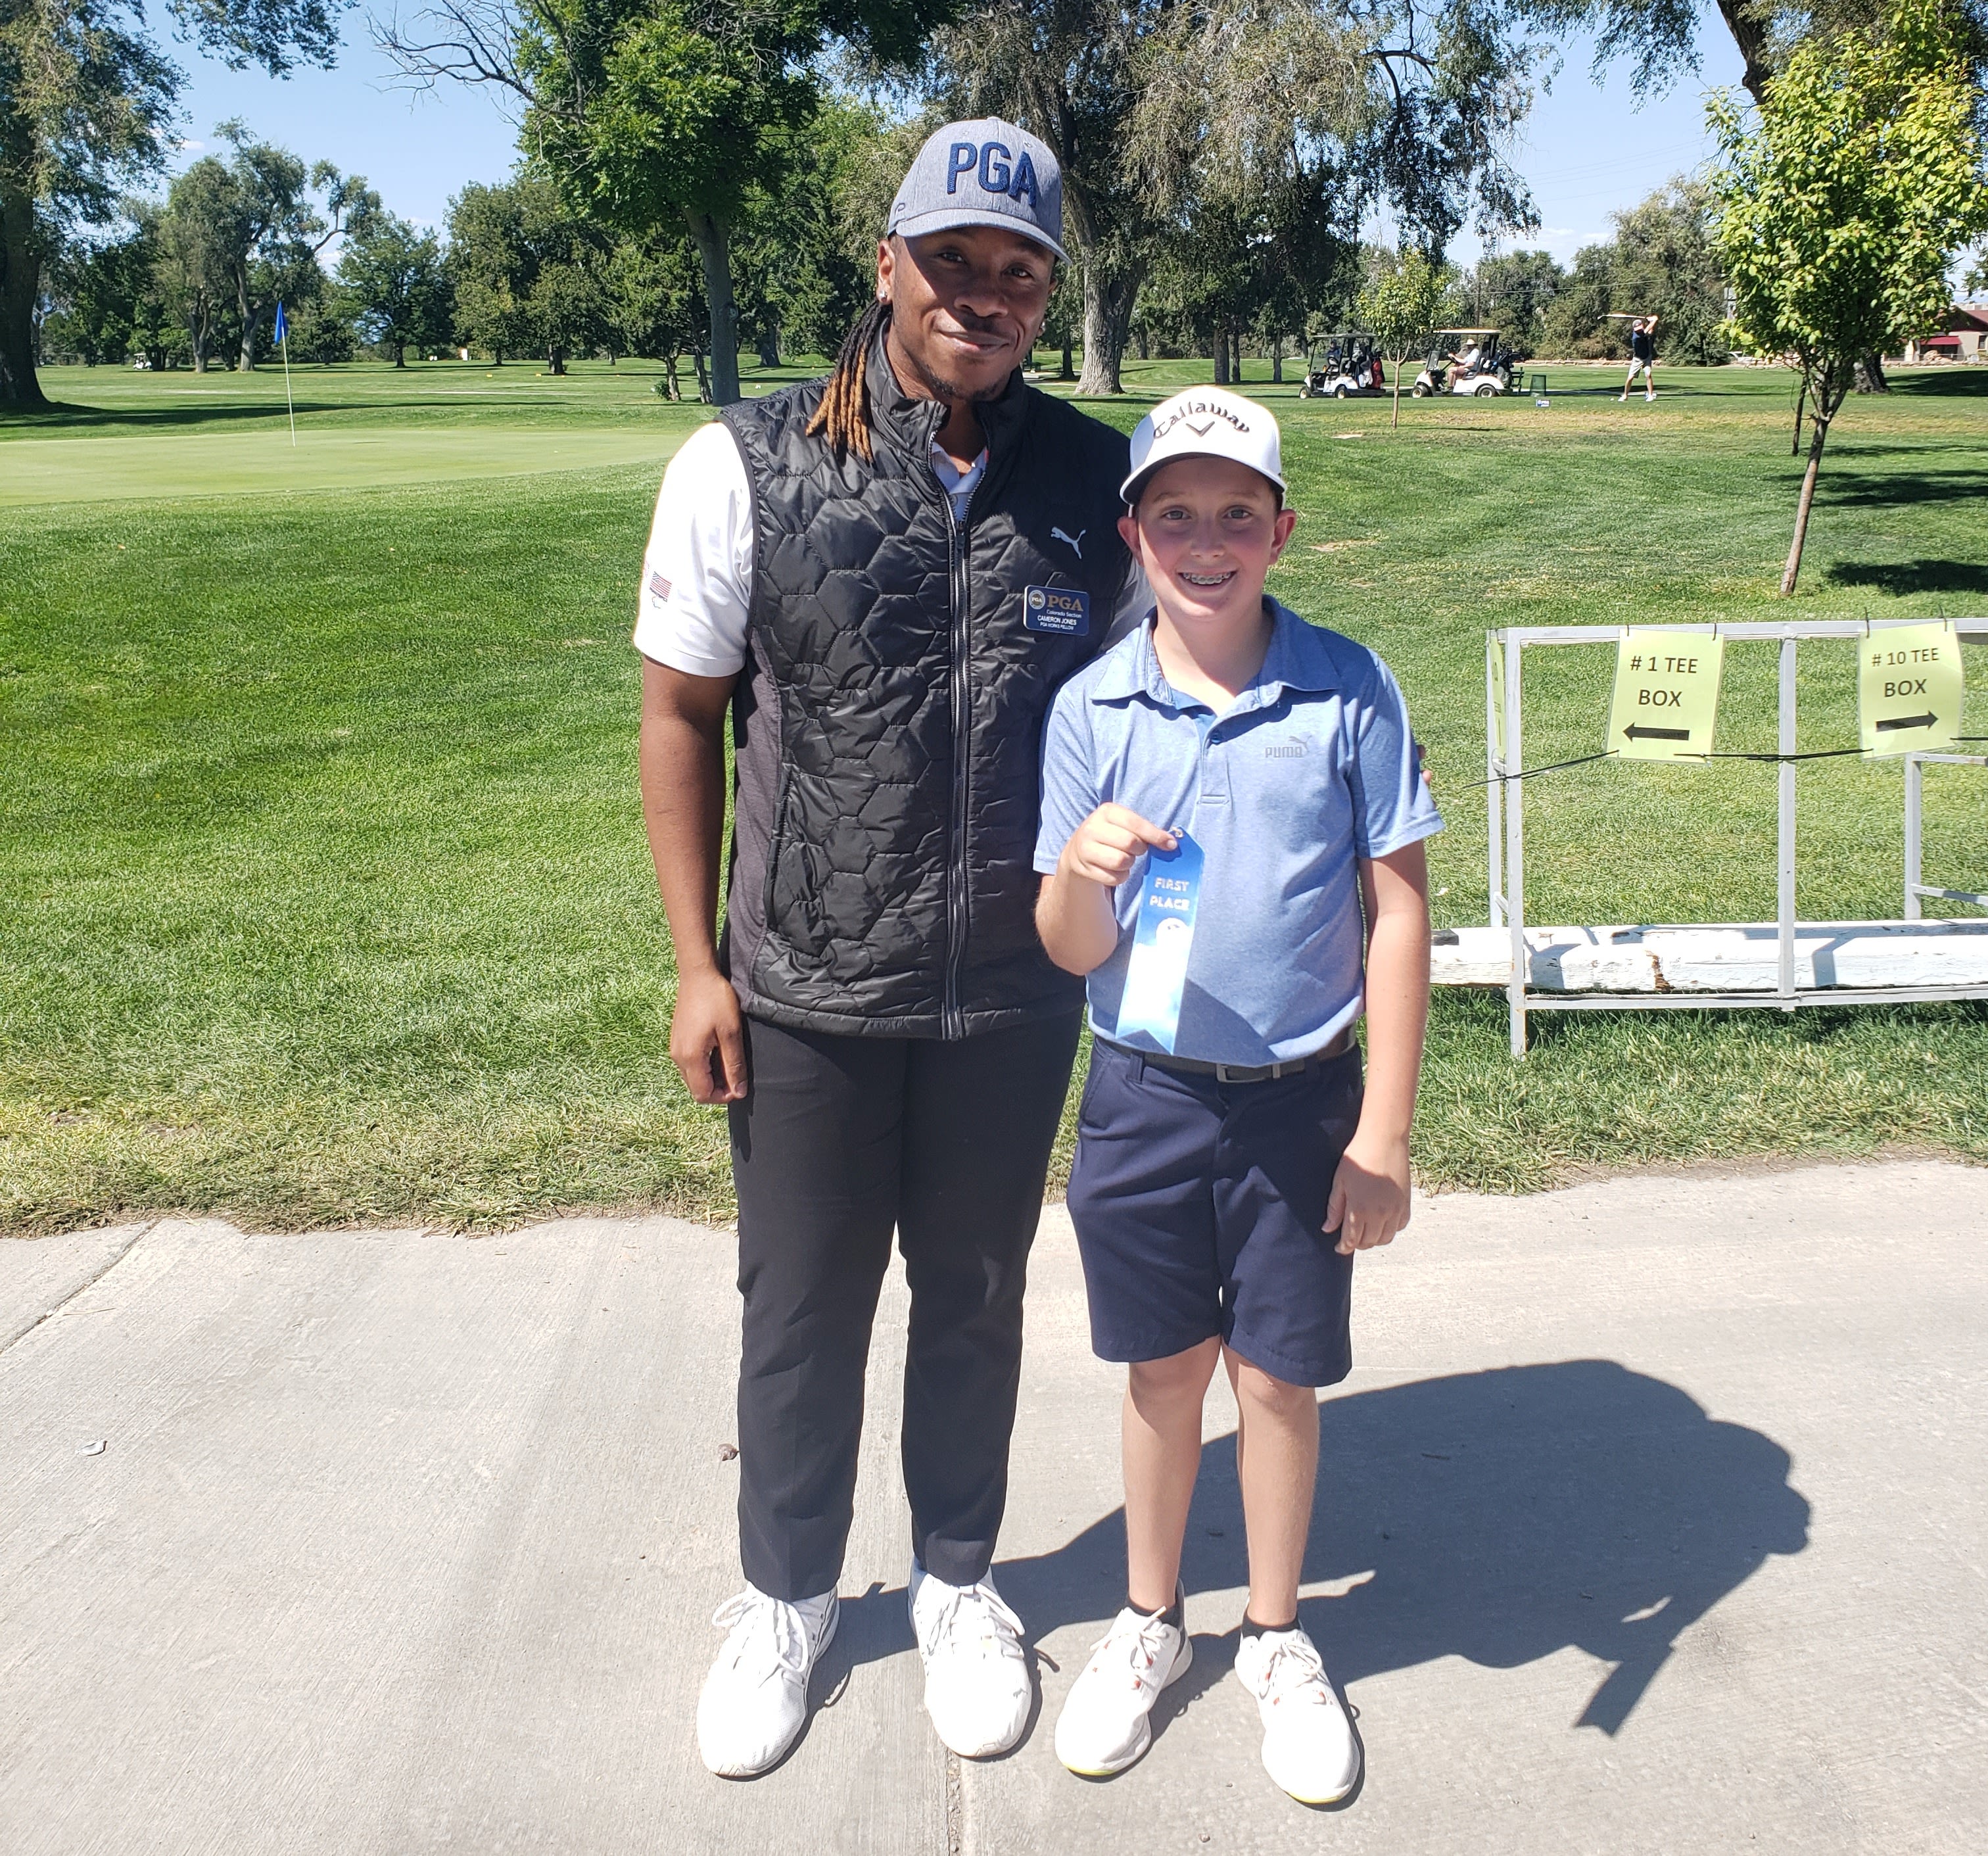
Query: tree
[
  {"x": 656, "y": 114},
  {"x": 653, "y": 303},
  {"x": 101, "y": 292},
  {"x": 1662, "y": 36},
  {"x": 255, "y": 211},
  {"x": 1512, "y": 292},
  {"x": 491, "y": 268},
  {"x": 527, "y": 272},
  {"x": 85, "y": 100},
  {"x": 391, "y": 278},
  {"x": 195, "y": 268},
  {"x": 1840, "y": 214},
  {"x": 1665, "y": 266},
  {"x": 1154, "y": 109},
  {"x": 1400, "y": 307}
]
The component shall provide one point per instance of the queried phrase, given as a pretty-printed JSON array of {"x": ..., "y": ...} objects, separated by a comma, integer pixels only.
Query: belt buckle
[{"x": 1221, "y": 1073}]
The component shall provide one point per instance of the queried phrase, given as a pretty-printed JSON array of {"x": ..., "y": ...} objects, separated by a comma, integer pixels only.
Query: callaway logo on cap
[
  {"x": 1205, "y": 422},
  {"x": 985, "y": 172}
]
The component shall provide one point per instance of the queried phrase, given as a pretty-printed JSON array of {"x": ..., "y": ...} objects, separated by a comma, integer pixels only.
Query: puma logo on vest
[{"x": 1074, "y": 541}]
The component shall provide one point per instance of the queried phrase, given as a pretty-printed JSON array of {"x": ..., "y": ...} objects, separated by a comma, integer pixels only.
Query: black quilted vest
[{"x": 889, "y": 721}]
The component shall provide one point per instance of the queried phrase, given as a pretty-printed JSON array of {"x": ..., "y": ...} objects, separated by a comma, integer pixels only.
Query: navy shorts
[{"x": 1200, "y": 1210}]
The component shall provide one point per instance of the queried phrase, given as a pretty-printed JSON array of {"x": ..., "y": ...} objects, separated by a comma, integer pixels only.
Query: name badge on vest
[
  {"x": 1065, "y": 610},
  {"x": 1156, "y": 975}
]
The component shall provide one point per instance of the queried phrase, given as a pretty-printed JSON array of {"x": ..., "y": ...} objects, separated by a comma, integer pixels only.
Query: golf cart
[
  {"x": 1348, "y": 367},
  {"x": 1469, "y": 361}
]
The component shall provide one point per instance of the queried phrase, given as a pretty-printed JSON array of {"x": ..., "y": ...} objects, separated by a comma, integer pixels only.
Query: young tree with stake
[
  {"x": 1839, "y": 215},
  {"x": 1401, "y": 306}
]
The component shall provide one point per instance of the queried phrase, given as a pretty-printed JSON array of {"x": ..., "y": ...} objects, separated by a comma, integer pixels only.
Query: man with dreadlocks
[{"x": 881, "y": 579}]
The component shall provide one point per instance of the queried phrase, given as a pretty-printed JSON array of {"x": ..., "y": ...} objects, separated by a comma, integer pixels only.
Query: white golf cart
[
  {"x": 1341, "y": 366},
  {"x": 1470, "y": 361}
]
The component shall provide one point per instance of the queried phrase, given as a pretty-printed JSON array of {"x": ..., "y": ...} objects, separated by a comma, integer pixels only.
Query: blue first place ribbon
[{"x": 1162, "y": 934}]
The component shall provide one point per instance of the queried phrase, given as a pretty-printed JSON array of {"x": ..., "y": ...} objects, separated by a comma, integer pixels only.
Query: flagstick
[{"x": 285, "y": 345}]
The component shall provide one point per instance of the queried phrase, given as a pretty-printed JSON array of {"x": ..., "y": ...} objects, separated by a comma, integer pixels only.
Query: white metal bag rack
[{"x": 1966, "y": 939}]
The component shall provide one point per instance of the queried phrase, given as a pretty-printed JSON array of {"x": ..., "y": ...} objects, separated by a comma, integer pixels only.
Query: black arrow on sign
[
  {"x": 1889, "y": 722},
  {"x": 1636, "y": 731}
]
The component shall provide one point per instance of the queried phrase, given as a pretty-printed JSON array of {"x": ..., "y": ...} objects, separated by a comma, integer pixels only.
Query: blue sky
[{"x": 1587, "y": 150}]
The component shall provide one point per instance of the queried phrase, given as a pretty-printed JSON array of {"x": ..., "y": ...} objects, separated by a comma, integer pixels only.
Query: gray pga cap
[{"x": 985, "y": 172}]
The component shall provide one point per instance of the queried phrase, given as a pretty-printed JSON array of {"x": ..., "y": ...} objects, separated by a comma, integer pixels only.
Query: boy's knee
[
  {"x": 1264, "y": 1392},
  {"x": 1178, "y": 1377}
]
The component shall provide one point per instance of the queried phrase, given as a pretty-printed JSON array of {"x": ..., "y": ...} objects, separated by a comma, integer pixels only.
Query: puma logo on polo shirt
[{"x": 1288, "y": 750}]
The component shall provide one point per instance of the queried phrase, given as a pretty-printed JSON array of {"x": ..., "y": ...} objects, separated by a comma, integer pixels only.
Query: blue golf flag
[{"x": 282, "y": 327}]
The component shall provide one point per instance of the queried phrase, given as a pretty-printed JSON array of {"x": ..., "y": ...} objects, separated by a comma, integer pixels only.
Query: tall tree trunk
[
  {"x": 1820, "y": 426},
  {"x": 1395, "y": 368},
  {"x": 20, "y": 284},
  {"x": 1277, "y": 361},
  {"x": 1068, "y": 371},
  {"x": 770, "y": 346},
  {"x": 400, "y": 354},
  {"x": 1871, "y": 374},
  {"x": 1220, "y": 349},
  {"x": 1750, "y": 29},
  {"x": 703, "y": 376},
  {"x": 712, "y": 237},
  {"x": 1801, "y": 400},
  {"x": 251, "y": 320},
  {"x": 1107, "y": 315}
]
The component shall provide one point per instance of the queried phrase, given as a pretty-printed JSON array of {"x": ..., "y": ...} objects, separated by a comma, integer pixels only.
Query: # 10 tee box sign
[
  {"x": 1908, "y": 688},
  {"x": 1666, "y": 699}
]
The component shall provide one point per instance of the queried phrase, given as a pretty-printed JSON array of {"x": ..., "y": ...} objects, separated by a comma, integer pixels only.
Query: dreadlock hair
[{"x": 844, "y": 415}]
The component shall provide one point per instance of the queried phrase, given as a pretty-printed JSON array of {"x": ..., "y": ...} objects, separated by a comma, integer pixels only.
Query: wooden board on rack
[{"x": 1733, "y": 957}]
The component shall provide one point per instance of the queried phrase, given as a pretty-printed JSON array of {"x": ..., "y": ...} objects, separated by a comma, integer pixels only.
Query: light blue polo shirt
[{"x": 1313, "y": 769}]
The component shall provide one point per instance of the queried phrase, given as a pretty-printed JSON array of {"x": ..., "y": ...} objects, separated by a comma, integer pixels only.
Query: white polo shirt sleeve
[{"x": 697, "y": 574}]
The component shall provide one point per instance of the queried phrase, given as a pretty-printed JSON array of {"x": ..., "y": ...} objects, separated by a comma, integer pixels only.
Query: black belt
[{"x": 1237, "y": 1072}]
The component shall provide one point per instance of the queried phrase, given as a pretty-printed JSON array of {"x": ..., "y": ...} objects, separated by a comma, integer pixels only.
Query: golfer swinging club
[
  {"x": 1642, "y": 359},
  {"x": 881, "y": 577}
]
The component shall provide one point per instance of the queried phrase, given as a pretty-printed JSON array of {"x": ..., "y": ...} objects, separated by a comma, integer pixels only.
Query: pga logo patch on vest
[{"x": 1062, "y": 610}]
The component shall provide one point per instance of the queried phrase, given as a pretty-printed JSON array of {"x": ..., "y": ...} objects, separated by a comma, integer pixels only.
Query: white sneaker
[
  {"x": 1308, "y": 1743},
  {"x": 977, "y": 1688},
  {"x": 1104, "y": 1726},
  {"x": 754, "y": 1699}
]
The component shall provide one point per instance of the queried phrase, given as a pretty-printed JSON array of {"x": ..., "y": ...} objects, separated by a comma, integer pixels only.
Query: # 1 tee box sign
[
  {"x": 1666, "y": 698},
  {"x": 1908, "y": 688}
]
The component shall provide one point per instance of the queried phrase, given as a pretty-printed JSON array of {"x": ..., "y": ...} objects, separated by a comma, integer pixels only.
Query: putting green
[{"x": 169, "y": 466}]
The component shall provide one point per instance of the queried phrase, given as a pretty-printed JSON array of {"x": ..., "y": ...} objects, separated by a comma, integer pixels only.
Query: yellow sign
[
  {"x": 1908, "y": 685},
  {"x": 1497, "y": 682},
  {"x": 1666, "y": 696}
]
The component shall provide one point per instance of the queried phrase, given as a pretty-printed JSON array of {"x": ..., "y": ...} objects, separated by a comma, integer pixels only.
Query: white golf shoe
[
  {"x": 754, "y": 1699},
  {"x": 977, "y": 1688},
  {"x": 1105, "y": 1724},
  {"x": 1309, "y": 1747}
]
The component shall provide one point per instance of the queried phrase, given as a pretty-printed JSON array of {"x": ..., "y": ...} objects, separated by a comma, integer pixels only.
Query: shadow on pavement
[{"x": 1500, "y": 1516}]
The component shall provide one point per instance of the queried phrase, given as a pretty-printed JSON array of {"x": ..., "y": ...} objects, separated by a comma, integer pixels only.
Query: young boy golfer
[{"x": 1231, "y": 803}]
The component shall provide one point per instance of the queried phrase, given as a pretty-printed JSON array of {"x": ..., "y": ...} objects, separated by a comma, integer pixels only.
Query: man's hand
[
  {"x": 1105, "y": 846},
  {"x": 1370, "y": 1193},
  {"x": 708, "y": 1040}
]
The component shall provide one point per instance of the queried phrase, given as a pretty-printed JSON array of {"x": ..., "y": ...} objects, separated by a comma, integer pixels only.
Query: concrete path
[{"x": 1652, "y": 1519}]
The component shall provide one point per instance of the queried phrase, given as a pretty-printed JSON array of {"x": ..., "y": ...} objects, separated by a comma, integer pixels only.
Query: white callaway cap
[{"x": 1205, "y": 422}]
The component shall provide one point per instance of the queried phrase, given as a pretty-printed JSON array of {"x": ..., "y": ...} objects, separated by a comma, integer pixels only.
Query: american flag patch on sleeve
[{"x": 658, "y": 585}]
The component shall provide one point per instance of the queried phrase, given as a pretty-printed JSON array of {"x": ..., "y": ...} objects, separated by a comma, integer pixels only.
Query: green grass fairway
[
  {"x": 323, "y": 890},
  {"x": 260, "y": 462}
]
